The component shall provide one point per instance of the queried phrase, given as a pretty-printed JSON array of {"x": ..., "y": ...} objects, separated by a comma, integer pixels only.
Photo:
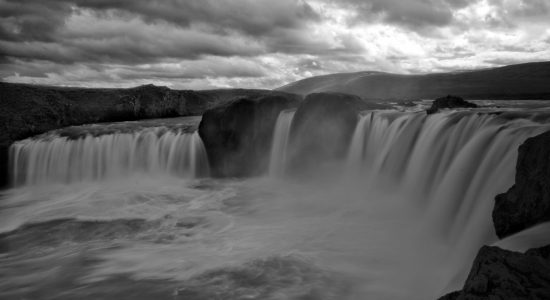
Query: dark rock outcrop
[
  {"x": 237, "y": 135},
  {"x": 527, "y": 202},
  {"x": 503, "y": 274},
  {"x": 449, "y": 102},
  {"x": 27, "y": 110},
  {"x": 323, "y": 126}
]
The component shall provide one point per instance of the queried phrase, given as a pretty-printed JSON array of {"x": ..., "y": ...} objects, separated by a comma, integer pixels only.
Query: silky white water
[
  {"x": 278, "y": 158},
  {"x": 401, "y": 217},
  {"x": 60, "y": 159}
]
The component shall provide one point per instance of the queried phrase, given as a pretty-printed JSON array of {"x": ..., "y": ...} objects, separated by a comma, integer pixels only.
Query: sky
[{"x": 201, "y": 44}]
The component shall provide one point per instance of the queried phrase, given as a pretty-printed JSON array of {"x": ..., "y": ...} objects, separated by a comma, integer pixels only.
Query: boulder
[
  {"x": 323, "y": 127},
  {"x": 237, "y": 135},
  {"x": 449, "y": 102},
  {"x": 527, "y": 202},
  {"x": 503, "y": 274}
]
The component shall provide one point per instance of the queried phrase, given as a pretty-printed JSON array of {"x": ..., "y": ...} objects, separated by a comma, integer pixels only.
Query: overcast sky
[{"x": 195, "y": 44}]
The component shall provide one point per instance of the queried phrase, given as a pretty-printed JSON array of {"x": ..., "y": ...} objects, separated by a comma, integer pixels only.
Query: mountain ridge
[{"x": 520, "y": 81}]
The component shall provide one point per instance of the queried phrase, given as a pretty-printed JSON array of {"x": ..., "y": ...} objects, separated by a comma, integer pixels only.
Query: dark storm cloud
[
  {"x": 87, "y": 36},
  {"x": 130, "y": 49},
  {"x": 256, "y": 42},
  {"x": 252, "y": 17},
  {"x": 38, "y": 20},
  {"x": 31, "y": 20},
  {"x": 185, "y": 29}
]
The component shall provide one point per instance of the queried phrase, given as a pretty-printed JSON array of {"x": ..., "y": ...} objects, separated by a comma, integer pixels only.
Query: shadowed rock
[
  {"x": 237, "y": 135},
  {"x": 527, "y": 202},
  {"x": 323, "y": 126},
  {"x": 449, "y": 102},
  {"x": 503, "y": 274}
]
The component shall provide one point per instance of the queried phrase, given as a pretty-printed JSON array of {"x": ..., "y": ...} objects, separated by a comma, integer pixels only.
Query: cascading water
[
  {"x": 453, "y": 163},
  {"x": 403, "y": 222},
  {"x": 278, "y": 158},
  {"x": 60, "y": 159},
  {"x": 448, "y": 165}
]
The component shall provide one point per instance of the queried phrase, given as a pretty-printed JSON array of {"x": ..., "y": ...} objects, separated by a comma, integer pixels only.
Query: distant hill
[{"x": 523, "y": 81}]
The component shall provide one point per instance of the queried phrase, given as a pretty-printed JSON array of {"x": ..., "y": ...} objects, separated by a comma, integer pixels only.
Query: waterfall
[
  {"x": 453, "y": 162},
  {"x": 278, "y": 158},
  {"x": 58, "y": 159}
]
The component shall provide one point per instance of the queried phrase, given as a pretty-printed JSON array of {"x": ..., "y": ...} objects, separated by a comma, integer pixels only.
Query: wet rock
[
  {"x": 449, "y": 102},
  {"x": 323, "y": 126},
  {"x": 503, "y": 274},
  {"x": 527, "y": 202},
  {"x": 237, "y": 135}
]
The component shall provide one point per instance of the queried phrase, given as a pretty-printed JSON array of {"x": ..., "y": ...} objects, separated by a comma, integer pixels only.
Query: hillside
[{"x": 523, "y": 81}]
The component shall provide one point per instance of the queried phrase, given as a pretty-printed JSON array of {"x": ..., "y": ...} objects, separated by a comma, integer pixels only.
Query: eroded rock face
[
  {"x": 527, "y": 202},
  {"x": 322, "y": 128},
  {"x": 503, "y": 274},
  {"x": 237, "y": 136},
  {"x": 449, "y": 102}
]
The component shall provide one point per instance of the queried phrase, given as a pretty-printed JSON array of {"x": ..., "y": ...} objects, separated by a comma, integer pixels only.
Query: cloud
[
  {"x": 31, "y": 20},
  {"x": 413, "y": 14},
  {"x": 253, "y": 17},
  {"x": 259, "y": 43}
]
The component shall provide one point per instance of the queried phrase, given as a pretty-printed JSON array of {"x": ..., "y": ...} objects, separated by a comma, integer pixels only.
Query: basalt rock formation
[
  {"x": 503, "y": 274},
  {"x": 449, "y": 102},
  {"x": 237, "y": 135},
  {"x": 527, "y": 202}
]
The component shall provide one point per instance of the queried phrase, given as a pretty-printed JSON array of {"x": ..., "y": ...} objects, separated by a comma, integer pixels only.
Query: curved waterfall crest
[
  {"x": 59, "y": 159},
  {"x": 397, "y": 211},
  {"x": 452, "y": 163},
  {"x": 455, "y": 162}
]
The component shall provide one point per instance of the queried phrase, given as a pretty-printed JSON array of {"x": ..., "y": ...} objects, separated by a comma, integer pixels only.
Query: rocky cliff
[{"x": 527, "y": 202}]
